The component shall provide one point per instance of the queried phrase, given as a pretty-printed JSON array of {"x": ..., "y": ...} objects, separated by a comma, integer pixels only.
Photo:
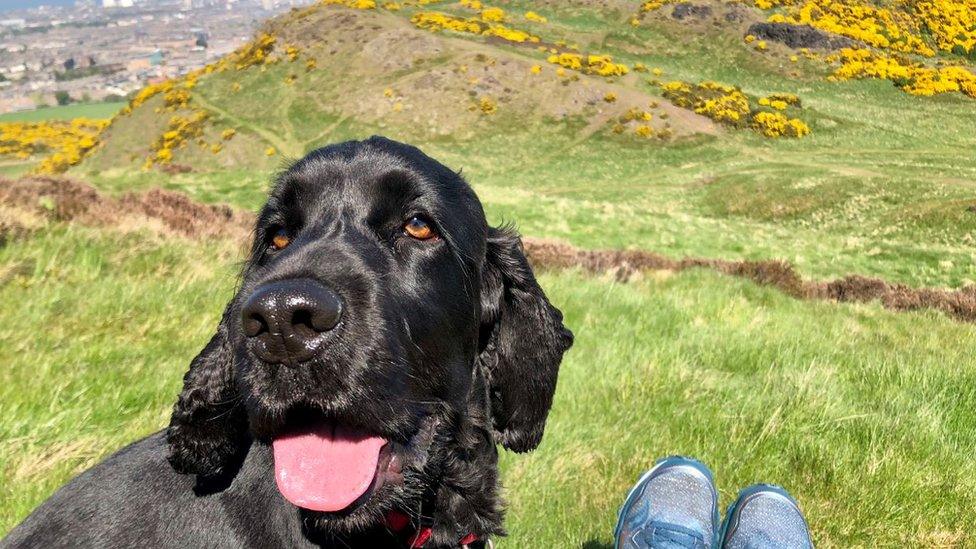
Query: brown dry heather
[
  {"x": 62, "y": 199},
  {"x": 960, "y": 304}
]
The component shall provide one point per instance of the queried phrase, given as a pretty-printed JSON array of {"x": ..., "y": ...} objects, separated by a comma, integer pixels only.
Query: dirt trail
[{"x": 67, "y": 200}]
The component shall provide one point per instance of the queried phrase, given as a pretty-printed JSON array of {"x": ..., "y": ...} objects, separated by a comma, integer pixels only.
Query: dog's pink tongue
[{"x": 325, "y": 469}]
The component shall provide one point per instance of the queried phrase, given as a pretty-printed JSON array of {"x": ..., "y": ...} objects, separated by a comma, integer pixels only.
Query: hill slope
[{"x": 883, "y": 185}]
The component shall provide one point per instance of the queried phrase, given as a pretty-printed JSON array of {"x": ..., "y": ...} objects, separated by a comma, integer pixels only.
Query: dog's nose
[{"x": 286, "y": 321}]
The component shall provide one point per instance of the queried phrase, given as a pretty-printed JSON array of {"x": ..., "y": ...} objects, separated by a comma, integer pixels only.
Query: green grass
[
  {"x": 865, "y": 415},
  {"x": 65, "y": 112}
]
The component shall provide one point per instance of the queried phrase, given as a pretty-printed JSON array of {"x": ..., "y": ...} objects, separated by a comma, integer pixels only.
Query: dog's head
[{"x": 378, "y": 317}]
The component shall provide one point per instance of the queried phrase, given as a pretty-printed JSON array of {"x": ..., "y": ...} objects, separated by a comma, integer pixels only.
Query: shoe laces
[{"x": 664, "y": 535}]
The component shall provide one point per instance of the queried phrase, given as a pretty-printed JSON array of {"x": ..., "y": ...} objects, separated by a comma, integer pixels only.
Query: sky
[{"x": 6, "y": 5}]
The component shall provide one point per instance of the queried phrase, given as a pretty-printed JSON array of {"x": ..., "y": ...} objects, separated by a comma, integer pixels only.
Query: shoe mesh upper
[
  {"x": 766, "y": 521},
  {"x": 677, "y": 495}
]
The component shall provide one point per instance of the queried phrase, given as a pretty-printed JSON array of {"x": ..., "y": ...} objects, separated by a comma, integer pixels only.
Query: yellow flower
[
  {"x": 778, "y": 125},
  {"x": 601, "y": 65},
  {"x": 493, "y": 15},
  {"x": 536, "y": 69},
  {"x": 488, "y": 25},
  {"x": 487, "y": 106},
  {"x": 610, "y": 97},
  {"x": 728, "y": 105},
  {"x": 270, "y": 151},
  {"x": 354, "y": 4},
  {"x": 59, "y": 144}
]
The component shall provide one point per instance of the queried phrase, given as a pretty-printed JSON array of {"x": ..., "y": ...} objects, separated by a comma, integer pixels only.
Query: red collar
[{"x": 417, "y": 537}]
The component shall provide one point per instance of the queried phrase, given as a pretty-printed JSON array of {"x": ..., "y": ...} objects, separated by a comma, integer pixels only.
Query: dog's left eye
[
  {"x": 280, "y": 240},
  {"x": 418, "y": 227}
]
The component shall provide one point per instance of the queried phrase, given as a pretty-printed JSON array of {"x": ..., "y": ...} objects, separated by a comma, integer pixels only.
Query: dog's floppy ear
[
  {"x": 207, "y": 433},
  {"x": 523, "y": 340}
]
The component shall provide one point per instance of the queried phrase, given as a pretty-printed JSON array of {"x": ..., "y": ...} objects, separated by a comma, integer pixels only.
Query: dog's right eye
[{"x": 280, "y": 240}]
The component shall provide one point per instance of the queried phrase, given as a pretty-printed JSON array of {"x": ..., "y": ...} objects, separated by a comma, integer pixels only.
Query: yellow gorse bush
[
  {"x": 644, "y": 130},
  {"x": 878, "y": 27},
  {"x": 601, "y": 65},
  {"x": 651, "y": 5},
  {"x": 910, "y": 76},
  {"x": 951, "y": 23},
  {"x": 728, "y": 105},
  {"x": 906, "y": 27},
  {"x": 891, "y": 32},
  {"x": 435, "y": 21},
  {"x": 493, "y": 15},
  {"x": 487, "y": 106},
  {"x": 179, "y": 131},
  {"x": 354, "y": 4},
  {"x": 774, "y": 124},
  {"x": 59, "y": 144},
  {"x": 256, "y": 52},
  {"x": 635, "y": 113}
]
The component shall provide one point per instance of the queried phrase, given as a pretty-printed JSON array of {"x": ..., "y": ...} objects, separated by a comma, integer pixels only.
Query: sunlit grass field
[
  {"x": 867, "y": 416},
  {"x": 864, "y": 414},
  {"x": 65, "y": 112}
]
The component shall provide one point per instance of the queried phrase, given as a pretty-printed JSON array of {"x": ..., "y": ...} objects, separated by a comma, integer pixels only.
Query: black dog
[{"x": 383, "y": 340}]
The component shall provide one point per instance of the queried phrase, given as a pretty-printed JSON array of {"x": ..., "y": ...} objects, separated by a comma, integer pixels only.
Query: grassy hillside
[
  {"x": 882, "y": 186},
  {"x": 865, "y": 414}
]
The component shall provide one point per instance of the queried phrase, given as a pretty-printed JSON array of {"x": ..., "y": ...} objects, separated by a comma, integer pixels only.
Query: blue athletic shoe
[
  {"x": 672, "y": 506},
  {"x": 765, "y": 517}
]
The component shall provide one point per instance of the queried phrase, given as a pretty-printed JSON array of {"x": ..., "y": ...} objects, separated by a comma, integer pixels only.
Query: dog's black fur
[{"x": 446, "y": 347}]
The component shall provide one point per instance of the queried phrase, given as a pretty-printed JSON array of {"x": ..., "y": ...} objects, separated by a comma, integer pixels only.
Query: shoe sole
[
  {"x": 747, "y": 493},
  {"x": 668, "y": 462}
]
